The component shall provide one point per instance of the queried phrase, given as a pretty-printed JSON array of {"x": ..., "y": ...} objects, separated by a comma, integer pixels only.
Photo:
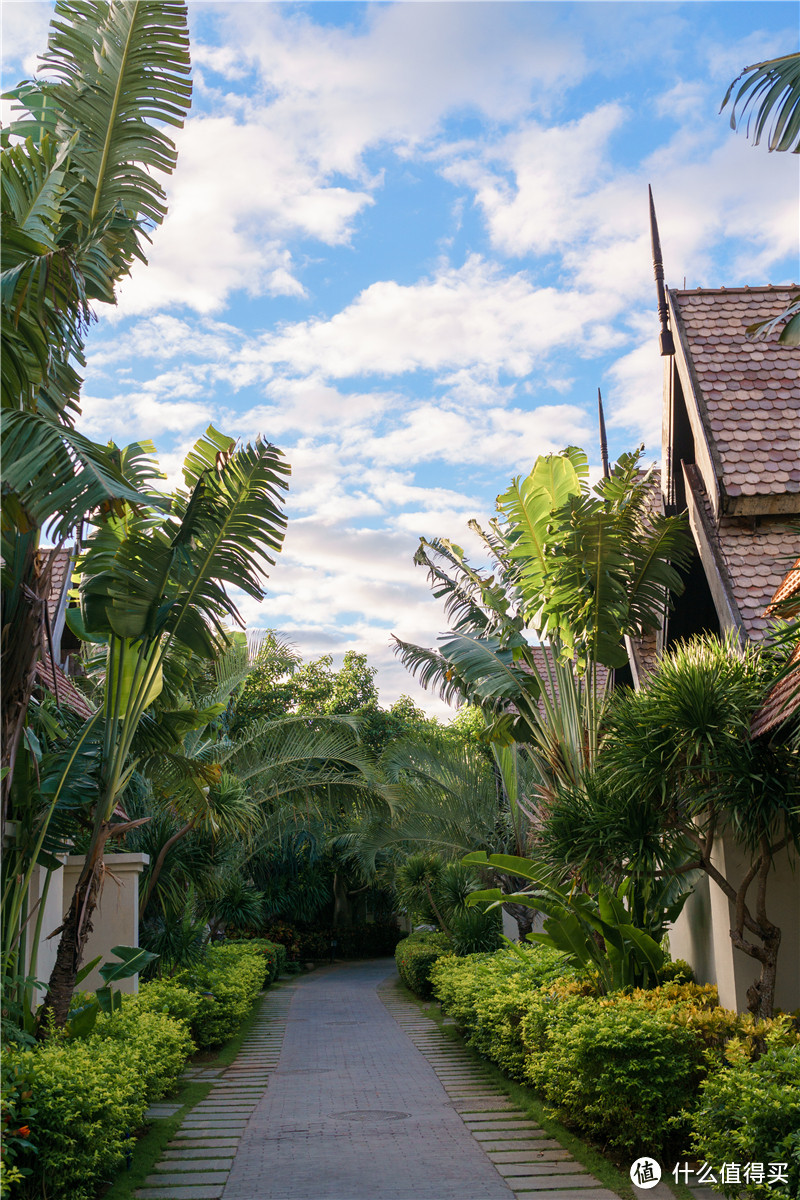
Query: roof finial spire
[
  {"x": 603, "y": 442},
  {"x": 665, "y": 337}
]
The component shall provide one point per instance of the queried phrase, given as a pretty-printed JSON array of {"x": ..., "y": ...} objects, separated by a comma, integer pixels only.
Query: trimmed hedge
[
  {"x": 90, "y": 1096},
  {"x": 227, "y": 980},
  {"x": 415, "y": 957},
  {"x": 488, "y": 995},
  {"x": 749, "y": 1112},
  {"x": 624, "y": 1069}
]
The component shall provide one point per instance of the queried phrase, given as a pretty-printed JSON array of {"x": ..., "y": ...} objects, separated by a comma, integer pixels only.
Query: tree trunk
[
  {"x": 74, "y": 936},
  {"x": 24, "y": 606},
  {"x": 342, "y": 909},
  {"x": 525, "y": 918},
  {"x": 761, "y": 994}
]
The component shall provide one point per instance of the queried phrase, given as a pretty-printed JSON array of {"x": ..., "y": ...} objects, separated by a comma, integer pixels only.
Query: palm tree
[
  {"x": 771, "y": 91},
  {"x": 583, "y": 567}
]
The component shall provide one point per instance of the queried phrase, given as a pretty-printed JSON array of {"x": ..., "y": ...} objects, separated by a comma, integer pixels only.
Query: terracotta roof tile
[
  {"x": 53, "y": 679},
  {"x": 745, "y": 385}
]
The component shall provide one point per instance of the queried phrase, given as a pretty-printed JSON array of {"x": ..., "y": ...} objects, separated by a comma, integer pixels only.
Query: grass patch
[
  {"x": 596, "y": 1163},
  {"x": 149, "y": 1148}
]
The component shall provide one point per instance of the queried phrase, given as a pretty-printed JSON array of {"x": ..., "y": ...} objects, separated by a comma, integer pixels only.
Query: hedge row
[
  {"x": 666, "y": 1069},
  {"x": 415, "y": 957},
  {"x": 79, "y": 1101}
]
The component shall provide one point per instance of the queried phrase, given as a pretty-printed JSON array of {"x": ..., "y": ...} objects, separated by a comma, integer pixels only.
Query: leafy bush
[
  {"x": 619, "y": 1073},
  {"x": 263, "y": 947},
  {"x": 476, "y": 931},
  {"x": 89, "y": 1100},
  {"x": 488, "y": 994},
  {"x": 750, "y": 1112},
  {"x": 168, "y": 996},
  {"x": 16, "y": 1117},
  {"x": 153, "y": 1043},
  {"x": 228, "y": 981},
  {"x": 415, "y": 956}
]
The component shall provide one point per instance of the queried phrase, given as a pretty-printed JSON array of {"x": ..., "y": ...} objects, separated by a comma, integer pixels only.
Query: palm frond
[{"x": 770, "y": 91}]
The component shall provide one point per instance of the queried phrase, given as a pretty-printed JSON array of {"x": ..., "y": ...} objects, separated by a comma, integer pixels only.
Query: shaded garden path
[{"x": 344, "y": 1091}]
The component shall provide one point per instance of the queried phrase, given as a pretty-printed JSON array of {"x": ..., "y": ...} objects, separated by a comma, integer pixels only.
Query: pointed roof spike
[
  {"x": 665, "y": 337},
  {"x": 603, "y": 442}
]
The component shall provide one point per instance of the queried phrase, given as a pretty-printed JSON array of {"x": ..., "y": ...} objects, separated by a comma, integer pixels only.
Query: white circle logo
[{"x": 645, "y": 1173}]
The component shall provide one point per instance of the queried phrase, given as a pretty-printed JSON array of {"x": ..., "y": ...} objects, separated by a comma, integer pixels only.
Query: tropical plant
[
  {"x": 681, "y": 770},
  {"x": 80, "y": 194},
  {"x": 771, "y": 92},
  {"x": 605, "y": 931},
  {"x": 149, "y": 582}
]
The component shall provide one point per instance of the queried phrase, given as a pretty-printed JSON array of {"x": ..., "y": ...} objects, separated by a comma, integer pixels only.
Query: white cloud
[{"x": 469, "y": 316}]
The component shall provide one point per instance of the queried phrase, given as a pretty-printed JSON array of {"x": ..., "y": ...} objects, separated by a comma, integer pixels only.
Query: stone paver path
[{"x": 345, "y": 1091}]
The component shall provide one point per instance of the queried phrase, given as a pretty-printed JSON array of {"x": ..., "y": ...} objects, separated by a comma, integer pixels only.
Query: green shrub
[
  {"x": 228, "y": 981},
  {"x": 17, "y": 1114},
  {"x": 153, "y": 1043},
  {"x": 259, "y": 946},
  {"x": 617, "y": 1072},
  {"x": 169, "y": 996},
  {"x": 415, "y": 956},
  {"x": 89, "y": 1101},
  {"x": 488, "y": 995},
  {"x": 676, "y": 971},
  {"x": 749, "y": 1112}
]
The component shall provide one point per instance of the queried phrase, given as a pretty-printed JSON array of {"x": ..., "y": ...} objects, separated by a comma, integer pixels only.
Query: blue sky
[{"x": 407, "y": 242}]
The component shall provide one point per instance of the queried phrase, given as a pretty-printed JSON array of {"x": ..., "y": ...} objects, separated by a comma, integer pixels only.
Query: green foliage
[
  {"x": 750, "y": 1112},
  {"x": 153, "y": 1044},
  {"x": 488, "y": 995},
  {"x": 228, "y": 978},
  {"x": 273, "y": 958},
  {"x": 168, "y": 996},
  {"x": 415, "y": 957},
  {"x": 17, "y": 1113},
  {"x": 772, "y": 88},
  {"x": 597, "y": 933},
  {"x": 90, "y": 1094},
  {"x": 619, "y": 1074}
]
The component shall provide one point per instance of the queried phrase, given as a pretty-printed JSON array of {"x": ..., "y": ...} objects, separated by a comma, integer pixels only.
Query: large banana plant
[
  {"x": 80, "y": 195},
  {"x": 582, "y": 567},
  {"x": 149, "y": 582},
  {"x": 595, "y": 933}
]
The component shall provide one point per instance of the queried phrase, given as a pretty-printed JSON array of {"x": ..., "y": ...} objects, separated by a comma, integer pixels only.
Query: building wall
[
  {"x": 115, "y": 921},
  {"x": 701, "y": 935}
]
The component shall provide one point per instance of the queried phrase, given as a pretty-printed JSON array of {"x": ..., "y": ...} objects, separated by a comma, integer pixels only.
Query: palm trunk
[
  {"x": 159, "y": 863},
  {"x": 74, "y": 935}
]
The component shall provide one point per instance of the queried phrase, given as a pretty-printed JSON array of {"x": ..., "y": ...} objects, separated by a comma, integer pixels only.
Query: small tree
[{"x": 678, "y": 769}]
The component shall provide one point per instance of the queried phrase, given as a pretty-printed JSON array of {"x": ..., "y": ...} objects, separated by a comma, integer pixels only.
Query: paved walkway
[{"x": 344, "y": 1091}]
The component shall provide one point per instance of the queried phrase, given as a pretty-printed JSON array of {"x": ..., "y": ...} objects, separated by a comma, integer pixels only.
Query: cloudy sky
[{"x": 408, "y": 241}]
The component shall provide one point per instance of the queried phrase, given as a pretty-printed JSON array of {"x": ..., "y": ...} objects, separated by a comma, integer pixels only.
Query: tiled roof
[
  {"x": 51, "y": 677},
  {"x": 749, "y": 393},
  {"x": 58, "y": 562},
  {"x": 784, "y": 698},
  {"x": 789, "y": 591},
  {"x": 754, "y": 554},
  {"x": 542, "y": 657}
]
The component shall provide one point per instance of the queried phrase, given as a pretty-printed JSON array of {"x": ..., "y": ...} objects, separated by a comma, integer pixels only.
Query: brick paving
[{"x": 343, "y": 1090}]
